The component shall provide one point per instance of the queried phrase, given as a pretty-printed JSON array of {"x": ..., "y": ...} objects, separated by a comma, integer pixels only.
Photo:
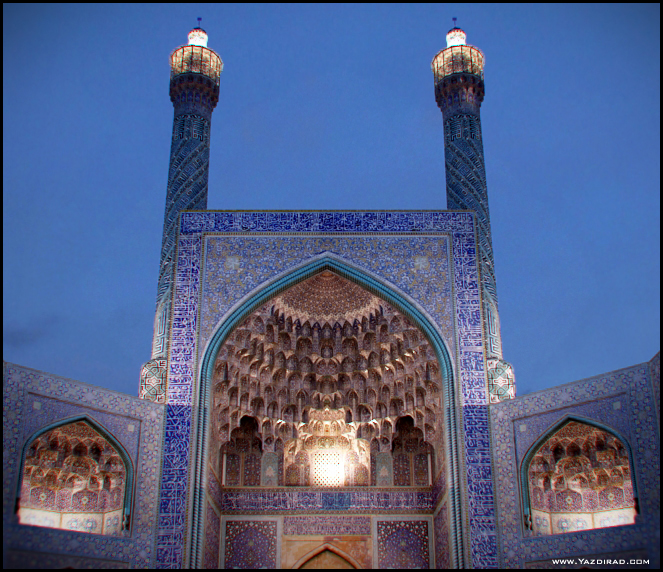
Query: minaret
[
  {"x": 459, "y": 91},
  {"x": 195, "y": 72}
]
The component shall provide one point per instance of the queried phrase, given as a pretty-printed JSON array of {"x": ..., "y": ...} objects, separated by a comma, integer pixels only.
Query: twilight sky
[{"x": 332, "y": 107}]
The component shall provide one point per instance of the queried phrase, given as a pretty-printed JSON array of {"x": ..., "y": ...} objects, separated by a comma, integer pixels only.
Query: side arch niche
[
  {"x": 326, "y": 361},
  {"x": 578, "y": 476},
  {"x": 76, "y": 476}
]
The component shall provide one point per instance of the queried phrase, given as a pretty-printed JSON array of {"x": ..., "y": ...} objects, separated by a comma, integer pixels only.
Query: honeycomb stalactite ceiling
[
  {"x": 580, "y": 478},
  {"x": 326, "y": 297},
  {"x": 75, "y": 479},
  {"x": 327, "y": 344}
]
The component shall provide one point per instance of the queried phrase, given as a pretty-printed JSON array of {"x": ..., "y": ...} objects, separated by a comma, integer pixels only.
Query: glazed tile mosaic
[
  {"x": 442, "y": 549},
  {"x": 326, "y": 525},
  {"x": 403, "y": 543},
  {"x": 251, "y": 544},
  {"x": 34, "y": 400},
  {"x": 312, "y": 501},
  {"x": 212, "y": 539},
  {"x": 232, "y": 266},
  {"x": 621, "y": 401}
]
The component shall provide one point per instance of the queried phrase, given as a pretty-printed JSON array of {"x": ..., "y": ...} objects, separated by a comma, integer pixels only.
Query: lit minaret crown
[
  {"x": 456, "y": 37},
  {"x": 198, "y": 37},
  {"x": 196, "y": 57},
  {"x": 459, "y": 92},
  {"x": 195, "y": 73}
]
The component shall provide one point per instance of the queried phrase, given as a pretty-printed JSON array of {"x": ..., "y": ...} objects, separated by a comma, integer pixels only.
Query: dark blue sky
[{"x": 332, "y": 107}]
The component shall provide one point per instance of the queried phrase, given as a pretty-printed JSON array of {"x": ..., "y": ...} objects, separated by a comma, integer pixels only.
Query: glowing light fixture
[
  {"x": 456, "y": 37},
  {"x": 328, "y": 469},
  {"x": 198, "y": 37}
]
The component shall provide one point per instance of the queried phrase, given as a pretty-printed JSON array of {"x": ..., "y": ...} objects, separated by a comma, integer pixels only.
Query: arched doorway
[
  {"x": 328, "y": 362},
  {"x": 327, "y": 557}
]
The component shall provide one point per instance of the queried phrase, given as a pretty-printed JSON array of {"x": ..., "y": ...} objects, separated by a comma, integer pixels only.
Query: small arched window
[
  {"x": 411, "y": 455},
  {"x": 243, "y": 455},
  {"x": 578, "y": 477},
  {"x": 75, "y": 477}
]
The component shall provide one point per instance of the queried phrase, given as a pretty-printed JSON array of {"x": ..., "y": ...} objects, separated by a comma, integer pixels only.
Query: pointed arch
[
  {"x": 270, "y": 289},
  {"x": 548, "y": 434},
  {"x": 127, "y": 501},
  {"x": 327, "y": 547}
]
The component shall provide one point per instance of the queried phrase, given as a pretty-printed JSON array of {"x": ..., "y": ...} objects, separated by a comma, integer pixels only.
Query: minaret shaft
[
  {"x": 194, "y": 91},
  {"x": 187, "y": 190},
  {"x": 459, "y": 92}
]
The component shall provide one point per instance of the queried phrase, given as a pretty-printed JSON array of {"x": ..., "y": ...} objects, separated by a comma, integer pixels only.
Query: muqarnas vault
[{"x": 327, "y": 389}]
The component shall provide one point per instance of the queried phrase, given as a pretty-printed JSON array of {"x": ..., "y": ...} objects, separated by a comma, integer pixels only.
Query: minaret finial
[
  {"x": 454, "y": 19},
  {"x": 200, "y": 19}
]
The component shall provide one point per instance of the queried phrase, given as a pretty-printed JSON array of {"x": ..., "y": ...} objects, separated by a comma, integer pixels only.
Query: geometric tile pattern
[
  {"x": 237, "y": 260},
  {"x": 501, "y": 380},
  {"x": 403, "y": 544},
  {"x": 250, "y": 544},
  {"x": 622, "y": 400},
  {"x": 153, "y": 376}
]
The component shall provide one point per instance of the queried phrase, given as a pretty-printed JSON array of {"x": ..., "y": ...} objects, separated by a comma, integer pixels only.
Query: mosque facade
[{"x": 327, "y": 390}]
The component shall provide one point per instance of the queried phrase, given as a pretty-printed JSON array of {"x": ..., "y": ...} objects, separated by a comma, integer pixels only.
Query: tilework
[
  {"x": 188, "y": 175},
  {"x": 171, "y": 525},
  {"x": 460, "y": 99},
  {"x": 321, "y": 501},
  {"x": 212, "y": 539},
  {"x": 402, "y": 544},
  {"x": 34, "y": 399},
  {"x": 383, "y": 469},
  {"x": 250, "y": 544},
  {"x": 270, "y": 470},
  {"x": 326, "y": 525},
  {"x": 261, "y": 258},
  {"x": 622, "y": 400},
  {"x": 501, "y": 380},
  {"x": 18, "y": 559},
  {"x": 395, "y": 371},
  {"x": 266, "y": 256},
  {"x": 153, "y": 375},
  {"x": 578, "y": 469},
  {"x": 441, "y": 527},
  {"x": 439, "y": 486},
  {"x": 467, "y": 190}
]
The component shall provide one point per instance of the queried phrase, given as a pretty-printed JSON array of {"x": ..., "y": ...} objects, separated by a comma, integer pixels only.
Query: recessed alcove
[{"x": 330, "y": 377}]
